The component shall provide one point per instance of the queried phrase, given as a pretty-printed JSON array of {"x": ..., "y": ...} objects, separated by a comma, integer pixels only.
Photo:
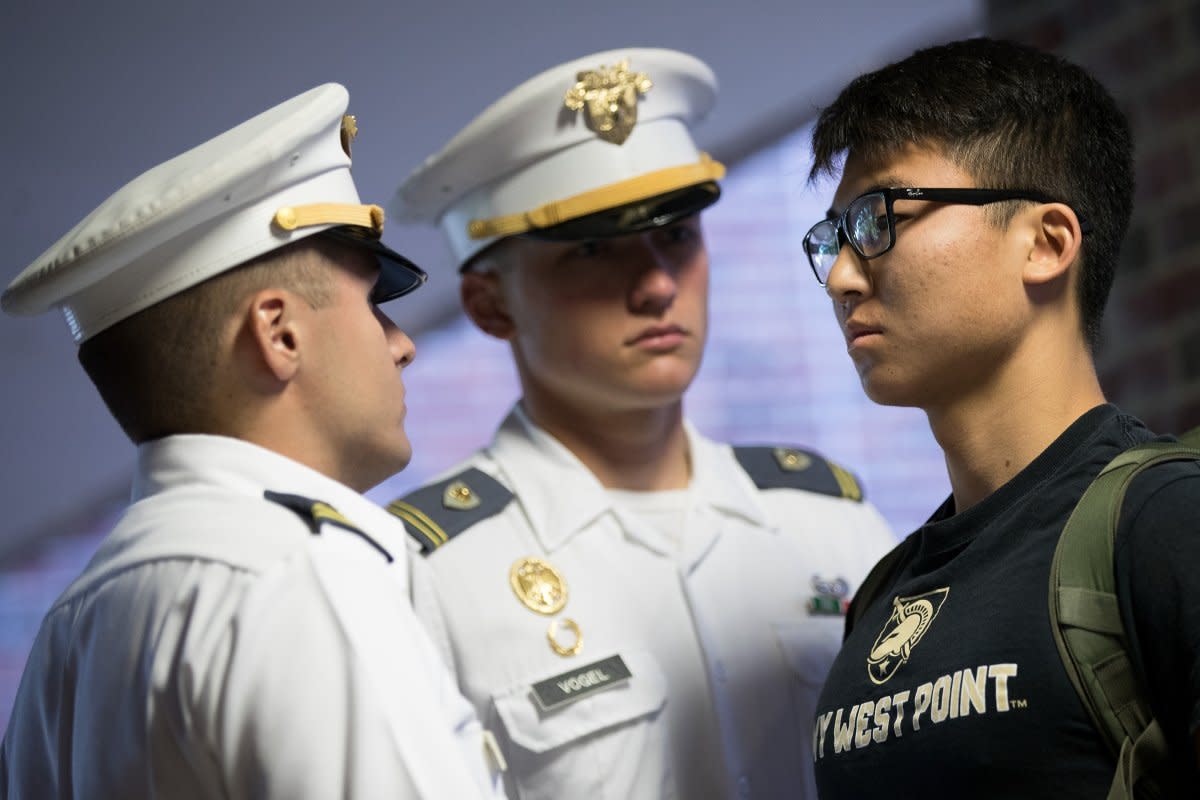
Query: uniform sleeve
[
  {"x": 1157, "y": 559},
  {"x": 327, "y": 687}
]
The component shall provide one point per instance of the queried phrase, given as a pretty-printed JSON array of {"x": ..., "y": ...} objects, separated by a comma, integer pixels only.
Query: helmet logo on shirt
[{"x": 910, "y": 619}]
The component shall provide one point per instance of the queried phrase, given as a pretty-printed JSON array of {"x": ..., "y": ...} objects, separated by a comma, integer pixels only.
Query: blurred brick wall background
[{"x": 1148, "y": 54}]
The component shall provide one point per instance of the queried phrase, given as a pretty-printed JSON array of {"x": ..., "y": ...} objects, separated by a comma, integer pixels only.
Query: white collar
[
  {"x": 561, "y": 497},
  {"x": 240, "y": 466}
]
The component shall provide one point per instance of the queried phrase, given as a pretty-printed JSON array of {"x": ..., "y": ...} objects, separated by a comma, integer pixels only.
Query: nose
[
  {"x": 849, "y": 278},
  {"x": 656, "y": 281},
  {"x": 401, "y": 347}
]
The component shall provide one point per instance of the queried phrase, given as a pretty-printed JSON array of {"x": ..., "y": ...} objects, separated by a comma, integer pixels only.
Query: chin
[
  {"x": 887, "y": 390},
  {"x": 668, "y": 388},
  {"x": 401, "y": 457},
  {"x": 668, "y": 373},
  {"x": 894, "y": 395},
  {"x": 659, "y": 395}
]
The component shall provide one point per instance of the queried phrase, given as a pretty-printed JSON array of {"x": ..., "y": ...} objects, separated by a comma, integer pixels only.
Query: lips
[
  {"x": 856, "y": 331},
  {"x": 657, "y": 335}
]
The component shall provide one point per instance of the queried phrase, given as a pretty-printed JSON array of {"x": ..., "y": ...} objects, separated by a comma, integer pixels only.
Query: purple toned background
[{"x": 775, "y": 372}]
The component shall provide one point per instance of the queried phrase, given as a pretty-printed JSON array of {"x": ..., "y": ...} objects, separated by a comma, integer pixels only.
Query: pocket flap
[{"x": 643, "y": 694}]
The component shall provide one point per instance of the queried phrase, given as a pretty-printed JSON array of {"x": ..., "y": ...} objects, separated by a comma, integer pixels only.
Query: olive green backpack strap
[{"x": 1086, "y": 620}]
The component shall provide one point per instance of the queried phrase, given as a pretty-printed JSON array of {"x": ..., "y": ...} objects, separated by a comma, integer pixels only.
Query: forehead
[{"x": 913, "y": 165}]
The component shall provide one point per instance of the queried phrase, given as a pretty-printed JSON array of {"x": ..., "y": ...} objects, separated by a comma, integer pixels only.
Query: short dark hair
[
  {"x": 155, "y": 369},
  {"x": 1011, "y": 116}
]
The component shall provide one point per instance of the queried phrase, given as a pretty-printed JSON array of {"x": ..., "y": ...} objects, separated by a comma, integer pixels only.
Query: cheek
[
  {"x": 374, "y": 342},
  {"x": 943, "y": 284},
  {"x": 695, "y": 266},
  {"x": 692, "y": 281},
  {"x": 556, "y": 335},
  {"x": 695, "y": 281}
]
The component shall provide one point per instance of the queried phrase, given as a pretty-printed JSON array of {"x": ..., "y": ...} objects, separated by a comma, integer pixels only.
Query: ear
[
  {"x": 274, "y": 332},
  {"x": 1056, "y": 242},
  {"x": 483, "y": 301}
]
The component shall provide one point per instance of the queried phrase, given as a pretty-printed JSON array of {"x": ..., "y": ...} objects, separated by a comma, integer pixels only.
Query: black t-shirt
[{"x": 950, "y": 684}]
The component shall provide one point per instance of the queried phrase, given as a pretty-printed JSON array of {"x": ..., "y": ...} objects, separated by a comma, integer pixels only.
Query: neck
[
  {"x": 999, "y": 428},
  {"x": 290, "y": 428},
  {"x": 635, "y": 449}
]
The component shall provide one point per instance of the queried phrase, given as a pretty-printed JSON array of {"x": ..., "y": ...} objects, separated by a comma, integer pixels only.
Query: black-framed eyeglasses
[{"x": 869, "y": 222}]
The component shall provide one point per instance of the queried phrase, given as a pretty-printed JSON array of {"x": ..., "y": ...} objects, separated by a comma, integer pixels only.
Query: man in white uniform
[
  {"x": 637, "y": 611},
  {"x": 245, "y": 631}
]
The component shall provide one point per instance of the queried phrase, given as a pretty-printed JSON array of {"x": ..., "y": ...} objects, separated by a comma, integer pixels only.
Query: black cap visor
[{"x": 397, "y": 275}]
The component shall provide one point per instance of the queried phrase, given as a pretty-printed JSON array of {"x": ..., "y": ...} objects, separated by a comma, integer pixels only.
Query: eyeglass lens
[
  {"x": 867, "y": 225},
  {"x": 867, "y": 228}
]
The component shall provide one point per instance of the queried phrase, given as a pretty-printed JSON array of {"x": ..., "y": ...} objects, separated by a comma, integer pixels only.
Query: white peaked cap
[
  {"x": 275, "y": 179},
  {"x": 535, "y": 159}
]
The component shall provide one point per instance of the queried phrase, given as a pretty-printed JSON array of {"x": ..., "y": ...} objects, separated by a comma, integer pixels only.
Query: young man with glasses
[
  {"x": 637, "y": 611},
  {"x": 968, "y": 252}
]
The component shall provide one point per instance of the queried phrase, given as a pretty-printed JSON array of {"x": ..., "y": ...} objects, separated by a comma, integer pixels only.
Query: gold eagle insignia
[{"x": 609, "y": 98}]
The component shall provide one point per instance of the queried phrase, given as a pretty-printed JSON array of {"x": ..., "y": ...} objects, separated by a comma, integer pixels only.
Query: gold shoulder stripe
[
  {"x": 417, "y": 530},
  {"x": 420, "y": 521},
  {"x": 323, "y": 512},
  {"x": 846, "y": 482},
  {"x": 316, "y": 514}
]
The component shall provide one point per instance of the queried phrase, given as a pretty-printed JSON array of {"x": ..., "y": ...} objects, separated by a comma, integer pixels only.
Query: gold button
[
  {"x": 286, "y": 218},
  {"x": 790, "y": 460},
  {"x": 459, "y": 497},
  {"x": 552, "y": 633}
]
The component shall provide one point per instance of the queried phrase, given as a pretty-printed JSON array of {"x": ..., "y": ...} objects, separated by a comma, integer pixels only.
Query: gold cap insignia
[
  {"x": 609, "y": 99},
  {"x": 349, "y": 131},
  {"x": 459, "y": 497},
  {"x": 910, "y": 619},
  {"x": 792, "y": 460},
  {"x": 538, "y": 585},
  {"x": 576, "y": 639}
]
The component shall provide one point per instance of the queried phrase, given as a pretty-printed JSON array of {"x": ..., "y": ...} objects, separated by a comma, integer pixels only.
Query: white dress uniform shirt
[
  {"x": 714, "y": 623},
  {"x": 218, "y": 646}
]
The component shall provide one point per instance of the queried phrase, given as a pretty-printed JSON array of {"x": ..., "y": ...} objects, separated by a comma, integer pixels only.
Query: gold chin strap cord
[
  {"x": 289, "y": 218},
  {"x": 611, "y": 196}
]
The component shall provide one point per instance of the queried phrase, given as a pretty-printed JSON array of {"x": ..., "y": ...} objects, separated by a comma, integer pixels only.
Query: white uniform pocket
[
  {"x": 610, "y": 744},
  {"x": 809, "y": 646}
]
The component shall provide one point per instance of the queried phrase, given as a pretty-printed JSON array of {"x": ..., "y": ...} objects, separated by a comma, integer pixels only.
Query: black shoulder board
[
  {"x": 435, "y": 514},
  {"x": 317, "y": 513},
  {"x": 789, "y": 468}
]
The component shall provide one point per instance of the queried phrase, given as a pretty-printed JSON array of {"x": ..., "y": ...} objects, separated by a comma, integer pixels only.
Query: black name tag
[{"x": 580, "y": 682}]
